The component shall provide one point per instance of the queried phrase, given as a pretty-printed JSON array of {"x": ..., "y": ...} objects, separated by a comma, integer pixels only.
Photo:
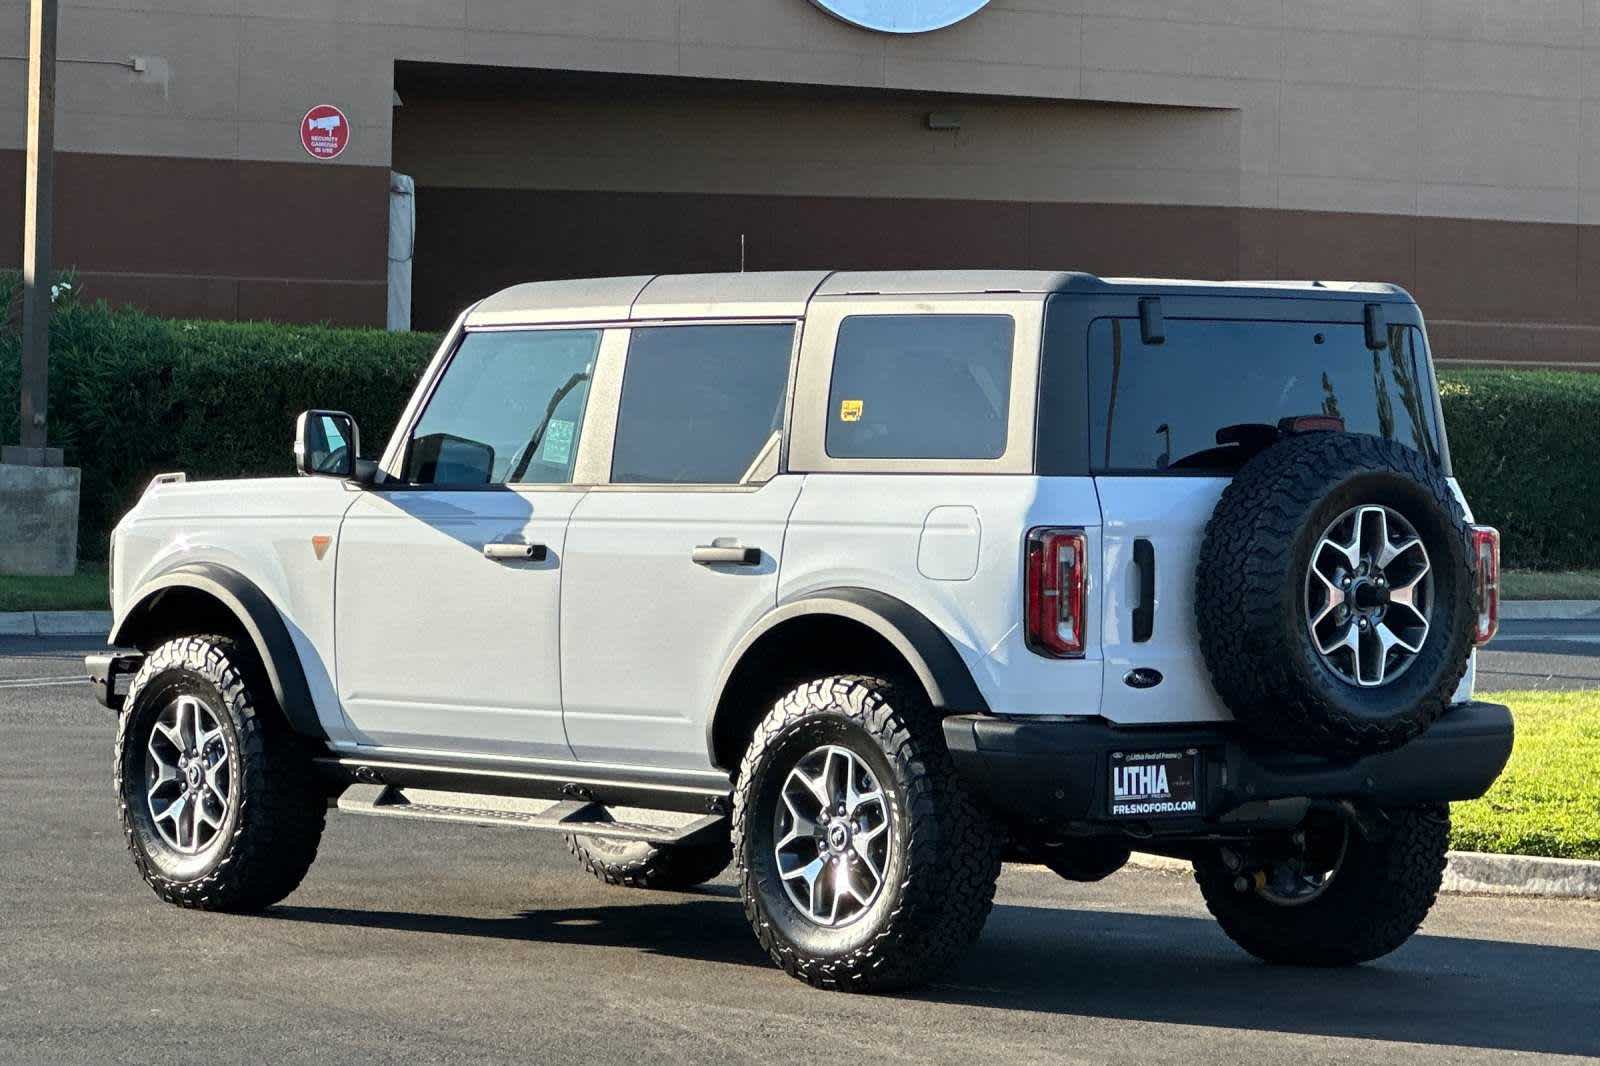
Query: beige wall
[{"x": 1460, "y": 108}]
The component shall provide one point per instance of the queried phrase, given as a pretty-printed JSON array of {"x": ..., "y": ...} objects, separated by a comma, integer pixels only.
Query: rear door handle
[
  {"x": 1144, "y": 615},
  {"x": 515, "y": 551},
  {"x": 712, "y": 554}
]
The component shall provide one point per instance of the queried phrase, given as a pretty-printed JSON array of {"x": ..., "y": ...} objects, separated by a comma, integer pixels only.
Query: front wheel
[
  {"x": 219, "y": 802},
  {"x": 640, "y": 864},
  {"x": 863, "y": 864},
  {"x": 1333, "y": 895}
]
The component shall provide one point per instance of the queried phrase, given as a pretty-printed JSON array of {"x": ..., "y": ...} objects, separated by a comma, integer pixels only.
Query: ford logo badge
[{"x": 1142, "y": 677}]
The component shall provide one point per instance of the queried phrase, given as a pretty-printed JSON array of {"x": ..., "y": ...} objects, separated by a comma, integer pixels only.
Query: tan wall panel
[{"x": 1493, "y": 118}]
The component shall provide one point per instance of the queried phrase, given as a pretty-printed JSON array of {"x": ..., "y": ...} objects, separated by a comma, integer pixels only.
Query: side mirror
[{"x": 326, "y": 444}]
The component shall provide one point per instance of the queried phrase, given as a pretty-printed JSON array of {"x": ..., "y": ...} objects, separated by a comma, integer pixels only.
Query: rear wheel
[
  {"x": 1333, "y": 895},
  {"x": 862, "y": 861},
  {"x": 219, "y": 803}
]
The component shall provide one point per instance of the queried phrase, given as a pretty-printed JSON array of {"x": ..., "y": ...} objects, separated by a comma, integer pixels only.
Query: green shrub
[
  {"x": 1526, "y": 448},
  {"x": 132, "y": 395}
]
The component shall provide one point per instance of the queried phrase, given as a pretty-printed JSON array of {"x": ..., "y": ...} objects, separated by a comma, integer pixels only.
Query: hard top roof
[{"x": 785, "y": 293}]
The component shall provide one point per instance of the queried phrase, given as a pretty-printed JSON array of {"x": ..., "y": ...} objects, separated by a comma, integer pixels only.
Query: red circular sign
[{"x": 324, "y": 132}]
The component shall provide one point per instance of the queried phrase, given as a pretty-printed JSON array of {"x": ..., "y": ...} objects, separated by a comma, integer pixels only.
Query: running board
[{"x": 565, "y": 816}]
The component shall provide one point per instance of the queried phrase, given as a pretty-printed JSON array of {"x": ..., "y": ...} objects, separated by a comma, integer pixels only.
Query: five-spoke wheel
[
  {"x": 832, "y": 835},
  {"x": 187, "y": 781},
  {"x": 1369, "y": 593}
]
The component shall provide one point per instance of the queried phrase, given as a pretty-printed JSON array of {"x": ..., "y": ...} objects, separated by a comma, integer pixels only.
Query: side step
[{"x": 564, "y": 816}]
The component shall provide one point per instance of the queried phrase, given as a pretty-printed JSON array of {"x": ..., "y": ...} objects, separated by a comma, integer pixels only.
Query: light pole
[
  {"x": 38, "y": 494},
  {"x": 37, "y": 222}
]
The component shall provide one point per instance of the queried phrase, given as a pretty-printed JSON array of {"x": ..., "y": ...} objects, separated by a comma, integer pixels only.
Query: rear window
[
  {"x": 1201, "y": 401},
  {"x": 920, "y": 387}
]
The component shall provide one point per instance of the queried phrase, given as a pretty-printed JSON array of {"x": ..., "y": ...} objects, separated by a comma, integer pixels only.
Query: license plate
[{"x": 1154, "y": 784}]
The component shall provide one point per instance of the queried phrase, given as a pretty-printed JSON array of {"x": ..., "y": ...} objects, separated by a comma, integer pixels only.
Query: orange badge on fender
[{"x": 319, "y": 544}]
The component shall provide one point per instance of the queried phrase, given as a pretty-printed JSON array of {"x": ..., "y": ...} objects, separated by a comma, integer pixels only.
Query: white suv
[{"x": 862, "y": 581}]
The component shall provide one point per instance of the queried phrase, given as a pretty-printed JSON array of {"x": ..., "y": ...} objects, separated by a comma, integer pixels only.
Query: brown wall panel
[
  {"x": 1494, "y": 291},
  {"x": 216, "y": 238},
  {"x": 1483, "y": 270}
]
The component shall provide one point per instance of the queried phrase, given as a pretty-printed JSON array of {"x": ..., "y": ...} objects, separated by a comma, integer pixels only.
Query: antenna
[{"x": 741, "y": 253}]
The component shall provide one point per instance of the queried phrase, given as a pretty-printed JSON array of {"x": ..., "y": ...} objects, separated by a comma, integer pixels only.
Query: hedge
[
  {"x": 1526, "y": 448},
  {"x": 132, "y": 395}
]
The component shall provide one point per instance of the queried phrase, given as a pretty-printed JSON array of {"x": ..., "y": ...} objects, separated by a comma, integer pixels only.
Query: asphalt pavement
[
  {"x": 1542, "y": 655},
  {"x": 438, "y": 943}
]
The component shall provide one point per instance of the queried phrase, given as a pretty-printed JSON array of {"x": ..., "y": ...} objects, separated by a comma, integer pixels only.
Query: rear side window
[
  {"x": 702, "y": 405},
  {"x": 920, "y": 387},
  {"x": 1206, "y": 399}
]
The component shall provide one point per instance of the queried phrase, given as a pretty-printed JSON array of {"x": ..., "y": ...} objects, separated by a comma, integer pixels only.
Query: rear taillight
[
  {"x": 1057, "y": 578},
  {"x": 1486, "y": 568}
]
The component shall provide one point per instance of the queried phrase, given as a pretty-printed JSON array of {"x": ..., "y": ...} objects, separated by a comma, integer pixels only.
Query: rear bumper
[{"x": 1057, "y": 772}]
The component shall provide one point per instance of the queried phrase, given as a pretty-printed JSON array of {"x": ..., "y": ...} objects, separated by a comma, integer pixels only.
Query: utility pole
[
  {"x": 38, "y": 494},
  {"x": 37, "y": 223}
]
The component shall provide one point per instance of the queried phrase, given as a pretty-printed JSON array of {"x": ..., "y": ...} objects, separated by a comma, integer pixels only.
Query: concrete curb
[
  {"x": 1475, "y": 873},
  {"x": 1549, "y": 610},
  {"x": 55, "y": 623}
]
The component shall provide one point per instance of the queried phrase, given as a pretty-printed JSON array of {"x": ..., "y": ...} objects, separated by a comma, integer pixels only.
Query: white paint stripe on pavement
[{"x": 43, "y": 682}]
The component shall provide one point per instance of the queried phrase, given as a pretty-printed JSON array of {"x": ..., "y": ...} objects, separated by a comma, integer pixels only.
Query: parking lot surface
[{"x": 439, "y": 943}]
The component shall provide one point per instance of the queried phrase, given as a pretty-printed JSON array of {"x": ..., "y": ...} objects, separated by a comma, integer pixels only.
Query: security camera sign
[{"x": 324, "y": 132}]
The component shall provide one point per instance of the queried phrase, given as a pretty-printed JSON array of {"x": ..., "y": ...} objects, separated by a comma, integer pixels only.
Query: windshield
[{"x": 1215, "y": 392}]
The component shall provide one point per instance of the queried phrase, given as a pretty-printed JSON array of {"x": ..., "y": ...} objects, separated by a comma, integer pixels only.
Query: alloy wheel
[
  {"x": 188, "y": 781},
  {"x": 832, "y": 832},
  {"x": 1369, "y": 595}
]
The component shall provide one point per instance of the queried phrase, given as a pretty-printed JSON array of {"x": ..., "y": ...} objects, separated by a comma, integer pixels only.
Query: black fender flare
[
  {"x": 261, "y": 621},
  {"x": 924, "y": 646}
]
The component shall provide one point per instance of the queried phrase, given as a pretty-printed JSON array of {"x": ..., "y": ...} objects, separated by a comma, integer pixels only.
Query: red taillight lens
[
  {"x": 1057, "y": 579},
  {"x": 1486, "y": 565}
]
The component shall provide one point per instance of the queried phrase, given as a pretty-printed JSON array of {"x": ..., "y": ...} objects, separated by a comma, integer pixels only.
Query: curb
[
  {"x": 55, "y": 623},
  {"x": 1550, "y": 610},
  {"x": 1476, "y": 873}
]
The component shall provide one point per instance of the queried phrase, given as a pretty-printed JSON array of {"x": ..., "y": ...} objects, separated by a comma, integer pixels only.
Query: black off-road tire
[
  {"x": 938, "y": 885},
  {"x": 269, "y": 838},
  {"x": 1376, "y": 900},
  {"x": 1250, "y": 602},
  {"x": 639, "y": 864}
]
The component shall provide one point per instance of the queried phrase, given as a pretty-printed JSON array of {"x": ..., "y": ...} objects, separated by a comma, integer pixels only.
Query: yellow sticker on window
[{"x": 850, "y": 410}]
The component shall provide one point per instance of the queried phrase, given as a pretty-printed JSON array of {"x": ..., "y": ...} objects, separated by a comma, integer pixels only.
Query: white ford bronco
[{"x": 861, "y": 582}]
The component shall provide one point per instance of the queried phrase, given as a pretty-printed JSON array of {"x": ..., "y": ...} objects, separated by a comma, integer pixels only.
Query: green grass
[
  {"x": 83, "y": 591},
  {"x": 1548, "y": 800},
  {"x": 1550, "y": 584}
]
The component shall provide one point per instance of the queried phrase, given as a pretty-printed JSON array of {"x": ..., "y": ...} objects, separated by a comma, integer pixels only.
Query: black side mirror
[{"x": 326, "y": 444}]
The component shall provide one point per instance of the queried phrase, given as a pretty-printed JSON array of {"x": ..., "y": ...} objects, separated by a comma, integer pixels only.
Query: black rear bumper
[{"x": 1056, "y": 772}]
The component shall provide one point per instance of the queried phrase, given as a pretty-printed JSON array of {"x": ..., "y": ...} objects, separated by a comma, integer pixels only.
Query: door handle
[
  {"x": 1144, "y": 615},
  {"x": 712, "y": 554},
  {"x": 515, "y": 551}
]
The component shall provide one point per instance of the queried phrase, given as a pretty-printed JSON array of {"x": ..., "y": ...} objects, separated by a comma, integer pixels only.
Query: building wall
[{"x": 1452, "y": 145}]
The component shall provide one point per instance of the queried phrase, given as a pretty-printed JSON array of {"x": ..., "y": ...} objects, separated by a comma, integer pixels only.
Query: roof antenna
[{"x": 741, "y": 253}]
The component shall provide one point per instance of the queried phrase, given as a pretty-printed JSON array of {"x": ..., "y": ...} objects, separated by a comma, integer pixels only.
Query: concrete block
[
  {"x": 39, "y": 519},
  {"x": 17, "y": 624}
]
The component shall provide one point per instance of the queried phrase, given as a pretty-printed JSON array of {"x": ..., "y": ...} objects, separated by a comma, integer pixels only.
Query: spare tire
[{"x": 1334, "y": 595}]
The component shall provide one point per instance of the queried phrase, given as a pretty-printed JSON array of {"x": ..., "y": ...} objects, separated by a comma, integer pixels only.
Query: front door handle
[
  {"x": 713, "y": 554},
  {"x": 515, "y": 551}
]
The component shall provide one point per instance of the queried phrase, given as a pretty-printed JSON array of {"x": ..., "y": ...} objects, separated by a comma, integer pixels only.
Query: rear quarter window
[
  {"x": 1200, "y": 401},
  {"x": 920, "y": 387}
]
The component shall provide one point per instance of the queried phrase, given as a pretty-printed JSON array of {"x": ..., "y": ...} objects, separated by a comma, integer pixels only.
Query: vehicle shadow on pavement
[{"x": 1153, "y": 968}]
